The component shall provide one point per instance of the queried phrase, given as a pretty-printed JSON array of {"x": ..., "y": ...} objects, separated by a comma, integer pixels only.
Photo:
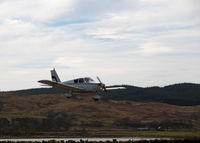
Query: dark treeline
[
  {"x": 61, "y": 122},
  {"x": 25, "y": 126},
  {"x": 184, "y": 94},
  {"x": 115, "y": 141},
  {"x": 165, "y": 125}
]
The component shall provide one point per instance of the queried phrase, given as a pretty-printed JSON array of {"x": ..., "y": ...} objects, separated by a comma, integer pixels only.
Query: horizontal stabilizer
[
  {"x": 115, "y": 88},
  {"x": 44, "y": 85}
]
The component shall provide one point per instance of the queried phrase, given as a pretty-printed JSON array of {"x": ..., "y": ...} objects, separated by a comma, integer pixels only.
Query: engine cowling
[
  {"x": 96, "y": 97},
  {"x": 68, "y": 95}
]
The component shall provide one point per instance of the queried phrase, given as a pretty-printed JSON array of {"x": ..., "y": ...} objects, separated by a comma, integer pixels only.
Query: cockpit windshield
[
  {"x": 83, "y": 80},
  {"x": 88, "y": 80}
]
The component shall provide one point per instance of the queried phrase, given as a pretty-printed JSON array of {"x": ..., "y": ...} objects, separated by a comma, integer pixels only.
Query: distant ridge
[
  {"x": 35, "y": 91},
  {"x": 182, "y": 94}
]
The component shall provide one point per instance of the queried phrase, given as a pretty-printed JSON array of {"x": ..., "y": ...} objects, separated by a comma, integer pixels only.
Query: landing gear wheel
[{"x": 96, "y": 97}]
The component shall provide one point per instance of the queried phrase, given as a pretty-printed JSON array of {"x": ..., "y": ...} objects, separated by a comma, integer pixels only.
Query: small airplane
[{"x": 79, "y": 86}]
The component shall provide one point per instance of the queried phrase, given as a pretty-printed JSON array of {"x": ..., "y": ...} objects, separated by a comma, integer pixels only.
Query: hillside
[
  {"x": 53, "y": 114},
  {"x": 183, "y": 94}
]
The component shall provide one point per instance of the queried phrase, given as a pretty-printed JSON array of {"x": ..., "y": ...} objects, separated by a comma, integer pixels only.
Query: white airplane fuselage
[
  {"x": 90, "y": 87},
  {"x": 87, "y": 88},
  {"x": 85, "y": 85}
]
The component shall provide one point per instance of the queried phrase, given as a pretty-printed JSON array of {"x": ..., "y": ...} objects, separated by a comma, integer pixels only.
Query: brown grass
[{"x": 84, "y": 109}]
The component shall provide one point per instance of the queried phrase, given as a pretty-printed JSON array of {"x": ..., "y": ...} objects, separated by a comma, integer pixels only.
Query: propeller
[{"x": 101, "y": 84}]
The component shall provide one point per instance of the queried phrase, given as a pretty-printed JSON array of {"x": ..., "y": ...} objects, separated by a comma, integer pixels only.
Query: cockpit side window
[
  {"x": 81, "y": 80},
  {"x": 76, "y": 81}
]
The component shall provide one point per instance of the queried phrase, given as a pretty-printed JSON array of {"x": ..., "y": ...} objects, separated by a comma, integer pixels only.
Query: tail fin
[{"x": 54, "y": 76}]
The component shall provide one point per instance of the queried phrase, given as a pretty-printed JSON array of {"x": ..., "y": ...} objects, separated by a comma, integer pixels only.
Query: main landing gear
[{"x": 96, "y": 97}]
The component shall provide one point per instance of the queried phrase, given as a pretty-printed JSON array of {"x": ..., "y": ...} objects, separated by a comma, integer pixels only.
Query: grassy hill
[
  {"x": 48, "y": 112},
  {"x": 183, "y": 94}
]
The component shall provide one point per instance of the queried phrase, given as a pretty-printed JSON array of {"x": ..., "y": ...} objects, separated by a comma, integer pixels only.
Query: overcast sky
[{"x": 137, "y": 42}]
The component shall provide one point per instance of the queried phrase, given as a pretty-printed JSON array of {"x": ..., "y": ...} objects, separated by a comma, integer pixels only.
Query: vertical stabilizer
[{"x": 54, "y": 76}]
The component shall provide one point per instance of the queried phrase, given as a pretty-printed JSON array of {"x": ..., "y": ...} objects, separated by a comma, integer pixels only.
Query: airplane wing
[
  {"x": 115, "y": 87},
  {"x": 62, "y": 86}
]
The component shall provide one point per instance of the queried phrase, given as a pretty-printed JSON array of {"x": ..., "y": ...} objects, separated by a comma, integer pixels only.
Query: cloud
[
  {"x": 150, "y": 49},
  {"x": 69, "y": 61},
  {"x": 121, "y": 41},
  {"x": 36, "y": 11}
]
